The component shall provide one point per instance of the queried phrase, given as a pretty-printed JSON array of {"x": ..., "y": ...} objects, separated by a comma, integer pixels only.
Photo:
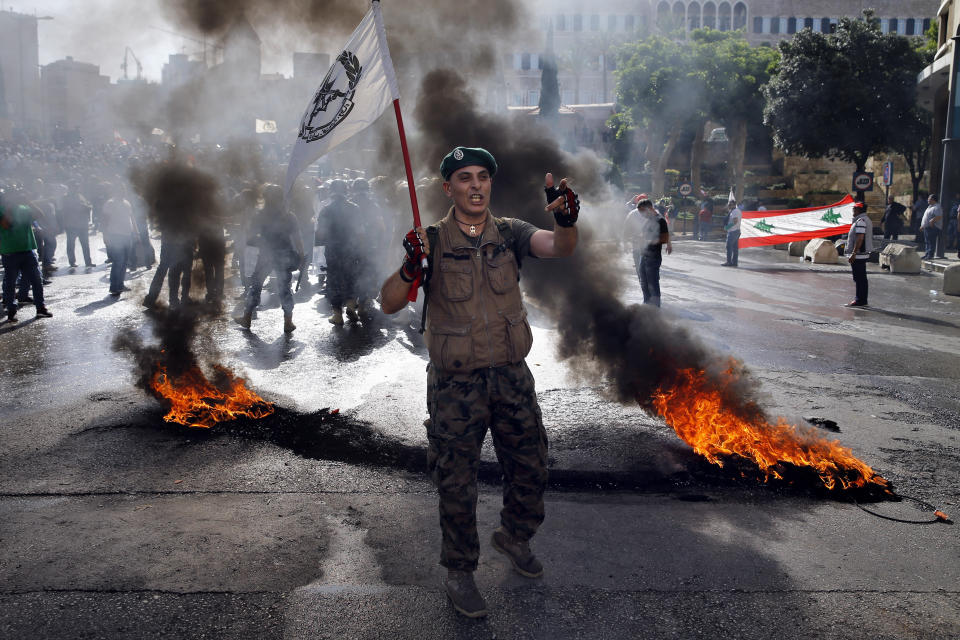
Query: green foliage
[
  {"x": 845, "y": 95},
  {"x": 657, "y": 84},
  {"x": 926, "y": 44},
  {"x": 733, "y": 73}
]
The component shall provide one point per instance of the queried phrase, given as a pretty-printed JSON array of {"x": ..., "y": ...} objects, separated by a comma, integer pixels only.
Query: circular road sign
[
  {"x": 863, "y": 181},
  {"x": 686, "y": 189}
]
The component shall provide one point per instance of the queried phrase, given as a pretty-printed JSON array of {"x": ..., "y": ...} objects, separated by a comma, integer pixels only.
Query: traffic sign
[
  {"x": 686, "y": 189},
  {"x": 887, "y": 174},
  {"x": 863, "y": 181}
]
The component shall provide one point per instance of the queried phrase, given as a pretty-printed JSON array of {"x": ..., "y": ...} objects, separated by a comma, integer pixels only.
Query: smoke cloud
[{"x": 633, "y": 349}]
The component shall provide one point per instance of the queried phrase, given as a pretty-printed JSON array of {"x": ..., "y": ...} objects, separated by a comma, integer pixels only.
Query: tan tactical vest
[{"x": 475, "y": 317}]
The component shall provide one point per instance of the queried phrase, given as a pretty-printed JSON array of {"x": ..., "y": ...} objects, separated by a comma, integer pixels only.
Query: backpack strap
[
  {"x": 433, "y": 238},
  {"x": 509, "y": 239}
]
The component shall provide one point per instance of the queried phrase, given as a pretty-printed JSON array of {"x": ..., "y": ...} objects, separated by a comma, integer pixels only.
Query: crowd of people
[{"x": 52, "y": 196}]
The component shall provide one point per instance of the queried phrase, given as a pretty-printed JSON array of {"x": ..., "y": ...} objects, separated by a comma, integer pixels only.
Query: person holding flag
[
  {"x": 732, "y": 226},
  {"x": 478, "y": 378},
  {"x": 477, "y": 336},
  {"x": 859, "y": 244}
]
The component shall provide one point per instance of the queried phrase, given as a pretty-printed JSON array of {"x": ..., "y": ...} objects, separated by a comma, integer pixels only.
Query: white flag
[{"x": 359, "y": 86}]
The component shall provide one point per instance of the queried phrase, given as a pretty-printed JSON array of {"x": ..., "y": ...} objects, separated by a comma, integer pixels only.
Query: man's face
[
  {"x": 469, "y": 188},
  {"x": 931, "y": 199}
]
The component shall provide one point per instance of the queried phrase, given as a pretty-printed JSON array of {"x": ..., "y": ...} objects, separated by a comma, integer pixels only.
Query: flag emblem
[{"x": 337, "y": 91}]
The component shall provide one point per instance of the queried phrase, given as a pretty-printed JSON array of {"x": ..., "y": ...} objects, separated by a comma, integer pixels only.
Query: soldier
[
  {"x": 373, "y": 229},
  {"x": 277, "y": 233},
  {"x": 477, "y": 336},
  {"x": 340, "y": 231}
]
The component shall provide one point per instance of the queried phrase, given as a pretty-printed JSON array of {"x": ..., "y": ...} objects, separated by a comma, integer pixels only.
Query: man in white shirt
[
  {"x": 859, "y": 246},
  {"x": 931, "y": 226},
  {"x": 732, "y": 227}
]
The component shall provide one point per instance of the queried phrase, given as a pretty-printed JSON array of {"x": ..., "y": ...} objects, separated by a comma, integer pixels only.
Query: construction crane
[{"x": 123, "y": 65}]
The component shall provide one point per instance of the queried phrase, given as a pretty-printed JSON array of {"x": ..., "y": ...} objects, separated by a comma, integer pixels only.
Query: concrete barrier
[
  {"x": 899, "y": 258},
  {"x": 951, "y": 280},
  {"x": 780, "y": 247},
  {"x": 820, "y": 251},
  {"x": 795, "y": 249}
]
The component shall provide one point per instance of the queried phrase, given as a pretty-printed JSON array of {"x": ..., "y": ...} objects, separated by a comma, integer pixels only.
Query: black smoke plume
[
  {"x": 183, "y": 203},
  {"x": 634, "y": 349}
]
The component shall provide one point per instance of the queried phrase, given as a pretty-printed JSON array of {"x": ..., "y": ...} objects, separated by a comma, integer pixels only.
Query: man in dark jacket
[{"x": 892, "y": 219}]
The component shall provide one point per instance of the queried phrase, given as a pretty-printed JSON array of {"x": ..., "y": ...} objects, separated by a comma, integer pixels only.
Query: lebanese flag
[{"x": 759, "y": 228}]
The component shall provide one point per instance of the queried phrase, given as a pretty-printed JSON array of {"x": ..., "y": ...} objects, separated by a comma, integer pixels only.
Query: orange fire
[
  {"x": 696, "y": 412},
  {"x": 196, "y": 402}
]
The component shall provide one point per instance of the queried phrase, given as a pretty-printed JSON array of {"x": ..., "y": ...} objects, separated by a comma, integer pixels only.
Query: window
[
  {"x": 758, "y": 25},
  {"x": 724, "y": 17},
  {"x": 628, "y": 23},
  {"x": 577, "y": 22},
  {"x": 926, "y": 25},
  {"x": 693, "y": 16},
  {"x": 594, "y": 22},
  {"x": 678, "y": 16},
  {"x": 910, "y": 26},
  {"x": 894, "y": 27},
  {"x": 740, "y": 16},
  {"x": 611, "y": 23},
  {"x": 808, "y": 23},
  {"x": 561, "y": 22},
  {"x": 825, "y": 25},
  {"x": 535, "y": 62},
  {"x": 774, "y": 25},
  {"x": 791, "y": 25},
  {"x": 525, "y": 61},
  {"x": 710, "y": 15}
]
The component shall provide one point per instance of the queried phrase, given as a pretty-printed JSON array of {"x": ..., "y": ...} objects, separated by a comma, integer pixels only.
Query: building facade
[
  {"x": 934, "y": 85},
  {"x": 71, "y": 91},
  {"x": 583, "y": 35},
  {"x": 19, "y": 75}
]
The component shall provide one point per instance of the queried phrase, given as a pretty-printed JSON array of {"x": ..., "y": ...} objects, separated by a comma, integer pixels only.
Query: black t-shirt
[{"x": 522, "y": 232}]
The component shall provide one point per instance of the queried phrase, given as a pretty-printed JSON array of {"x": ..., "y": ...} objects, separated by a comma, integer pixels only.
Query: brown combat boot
[
  {"x": 523, "y": 560},
  {"x": 288, "y": 326},
  {"x": 464, "y": 595}
]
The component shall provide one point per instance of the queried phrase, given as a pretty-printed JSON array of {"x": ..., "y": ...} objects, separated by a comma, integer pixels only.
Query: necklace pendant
[{"x": 473, "y": 230}]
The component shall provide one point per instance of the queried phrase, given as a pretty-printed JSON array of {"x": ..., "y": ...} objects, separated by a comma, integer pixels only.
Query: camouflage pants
[{"x": 462, "y": 407}]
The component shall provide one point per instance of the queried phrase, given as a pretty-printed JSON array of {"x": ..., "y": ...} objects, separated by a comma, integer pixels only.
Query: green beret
[{"x": 467, "y": 157}]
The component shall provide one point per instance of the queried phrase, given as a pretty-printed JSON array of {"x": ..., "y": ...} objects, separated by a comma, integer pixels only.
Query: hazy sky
[{"x": 98, "y": 31}]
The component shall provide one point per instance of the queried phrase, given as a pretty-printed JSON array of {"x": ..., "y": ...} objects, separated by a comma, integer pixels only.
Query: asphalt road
[{"x": 313, "y": 524}]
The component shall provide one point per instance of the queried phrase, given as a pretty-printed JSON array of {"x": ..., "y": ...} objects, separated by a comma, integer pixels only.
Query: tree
[
  {"x": 659, "y": 89},
  {"x": 734, "y": 74},
  {"x": 844, "y": 95}
]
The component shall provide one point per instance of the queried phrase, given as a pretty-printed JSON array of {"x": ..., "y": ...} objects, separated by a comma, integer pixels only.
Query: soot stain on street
[{"x": 338, "y": 437}]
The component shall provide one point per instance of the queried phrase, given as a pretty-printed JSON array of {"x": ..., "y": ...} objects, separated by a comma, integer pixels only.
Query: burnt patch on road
[{"x": 333, "y": 436}]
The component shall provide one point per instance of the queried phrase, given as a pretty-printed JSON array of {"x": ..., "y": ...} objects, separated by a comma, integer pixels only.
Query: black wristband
[{"x": 406, "y": 277}]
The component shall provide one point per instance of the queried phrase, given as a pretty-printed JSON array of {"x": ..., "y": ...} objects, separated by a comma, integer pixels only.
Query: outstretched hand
[{"x": 562, "y": 201}]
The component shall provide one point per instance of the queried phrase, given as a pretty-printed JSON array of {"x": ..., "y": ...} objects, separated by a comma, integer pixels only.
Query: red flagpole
[
  {"x": 406, "y": 164},
  {"x": 412, "y": 294}
]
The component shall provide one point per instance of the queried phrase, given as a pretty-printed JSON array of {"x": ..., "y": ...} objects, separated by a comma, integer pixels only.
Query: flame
[
  {"x": 196, "y": 402},
  {"x": 696, "y": 411}
]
